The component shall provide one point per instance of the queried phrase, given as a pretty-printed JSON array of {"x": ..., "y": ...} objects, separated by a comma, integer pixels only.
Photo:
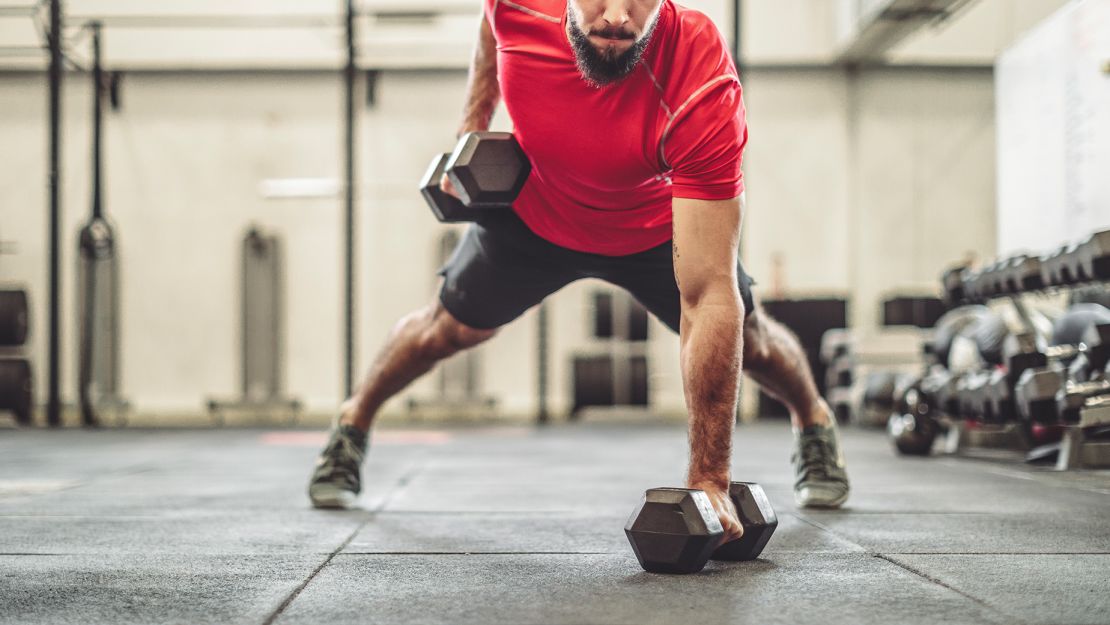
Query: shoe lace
[
  {"x": 342, "y": 459},
  {"x": 816, "y": 457}
]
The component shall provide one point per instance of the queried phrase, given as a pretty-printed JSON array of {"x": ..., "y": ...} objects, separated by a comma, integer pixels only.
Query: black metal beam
[
  {"x": 349, "y": 74},
  {"x": 98, "y": 122},
  {"x": 542, "y": 339},
  {"x": 54, "y": 174},
  {"x": 737, "y": 34}
]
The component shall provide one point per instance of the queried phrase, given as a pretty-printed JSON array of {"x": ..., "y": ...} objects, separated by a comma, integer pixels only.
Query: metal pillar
[
  {"x": 54, "y": 174},
  {"x": 349, "y": 206}
]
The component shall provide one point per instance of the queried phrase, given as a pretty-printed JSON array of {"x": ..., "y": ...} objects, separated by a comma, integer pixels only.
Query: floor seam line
[
  {"x": 401, "y": 483},
  {"x": 934, "y": 580},
  {"x": 308, "y": 580},
  {"x": 827, "y": 531}
]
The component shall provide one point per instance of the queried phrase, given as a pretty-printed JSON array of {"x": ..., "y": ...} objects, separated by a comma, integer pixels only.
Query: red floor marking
[{"x": 384, "y": 437}]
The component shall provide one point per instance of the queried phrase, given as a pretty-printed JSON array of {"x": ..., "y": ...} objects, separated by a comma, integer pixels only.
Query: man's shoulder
[
  {"x": 695, "y": 27},
  {"x": 697, "y": 56}
]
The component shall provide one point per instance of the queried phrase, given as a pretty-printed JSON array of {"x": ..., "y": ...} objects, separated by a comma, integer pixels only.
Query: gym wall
[
  {"x": 860, "y": 182},
  {"x": 1054, "y": 131},
  {"x": 186, "y": 153}
]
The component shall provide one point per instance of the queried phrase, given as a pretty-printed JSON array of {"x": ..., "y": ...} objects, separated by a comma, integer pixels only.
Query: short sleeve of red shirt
[{"x": 705, "y": 145}]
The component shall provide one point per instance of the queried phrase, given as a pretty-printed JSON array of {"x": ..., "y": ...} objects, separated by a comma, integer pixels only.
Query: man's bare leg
[
  {"x": 418, "y": 341},
  {"x": 774, "y": 358}
]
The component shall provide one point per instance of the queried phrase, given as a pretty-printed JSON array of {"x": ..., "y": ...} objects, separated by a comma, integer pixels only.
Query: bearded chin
[{"x": 601, "y": 69}]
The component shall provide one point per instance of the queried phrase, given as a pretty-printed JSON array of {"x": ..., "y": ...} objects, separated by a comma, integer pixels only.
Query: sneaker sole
[
  {"x": 340, "y": 500},
  {"x": 835, "y": 503}
]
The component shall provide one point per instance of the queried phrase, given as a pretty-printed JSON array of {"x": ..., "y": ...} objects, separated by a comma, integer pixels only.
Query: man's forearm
[
  {"x": 482, "y": 91},
  {"x": 712, "y": 347}
]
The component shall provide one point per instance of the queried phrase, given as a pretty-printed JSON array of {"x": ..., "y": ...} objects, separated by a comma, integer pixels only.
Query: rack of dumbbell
[
  {"x": 863, "y": 371},
  {"x": 1022, "y": 361},
  {"x": 16, "y": 379}
]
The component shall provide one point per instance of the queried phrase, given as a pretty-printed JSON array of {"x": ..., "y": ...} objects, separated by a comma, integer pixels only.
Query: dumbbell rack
[{"x": 1079, "y": 264}]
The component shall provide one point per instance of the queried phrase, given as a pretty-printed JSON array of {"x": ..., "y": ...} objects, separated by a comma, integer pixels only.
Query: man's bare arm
[
  {"x": 706, "y": 236},
  {"x": 482, "y": 91}
]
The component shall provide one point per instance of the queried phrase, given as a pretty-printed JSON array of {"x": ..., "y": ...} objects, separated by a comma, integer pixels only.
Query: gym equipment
[
  {"x": 835, "y": 343},
  {"x": 1068, "y": 329},
  {"x": 878, "y": 397},
  {"x": 952, "y": 285},
  {"x": 1074, "y": 396},
  {"x": 971, "y": 391},
  {"x": 922, "y": 312},
  {"x": 98, "y": 285},
  {"x": 487, "y": 169},
  {"x": 839, "y": 374},
  {"x": 951, "y": 325},
  {"x": 1023, "y": 273},
  {"x": 989, "y": 280},
  {"x": 14, "y": 317},
  {"x": 913, "y": 426},
  {"x": 1094, "y": 353},
  {"x": 596, "y": 383},
  {"x": 16, "y": 388},
  {"x": 676, "y": 530},
  {"x": 262, "y": 330},
  {"x": 989, "y": 333},
  {"x": 615, "y": 374},
  {"x": 1061, "y": 267},
  {"x": 1000, "y": 406},
  {"x": 1094, "y": 257},
  {"x": 1035, "y": 394}
]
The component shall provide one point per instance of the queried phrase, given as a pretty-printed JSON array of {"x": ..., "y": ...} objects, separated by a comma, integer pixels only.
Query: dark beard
[{"x": 605, "y": 69}]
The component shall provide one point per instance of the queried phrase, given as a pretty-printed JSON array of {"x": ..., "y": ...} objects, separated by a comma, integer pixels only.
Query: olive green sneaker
[
  {"x": 336, "y": 481},
  {"x": 821, "y": 480}
]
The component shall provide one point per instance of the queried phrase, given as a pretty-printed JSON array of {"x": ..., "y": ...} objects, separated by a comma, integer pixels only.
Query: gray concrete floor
[{"x": 517, "y": 525}]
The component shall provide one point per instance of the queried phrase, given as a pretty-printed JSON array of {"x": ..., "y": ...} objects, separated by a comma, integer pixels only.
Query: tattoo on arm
[{"x": 674, "y": 261}]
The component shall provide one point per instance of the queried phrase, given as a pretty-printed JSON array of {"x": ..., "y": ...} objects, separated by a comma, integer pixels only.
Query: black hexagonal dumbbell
[
  {"x": 913, "y": 426},
  {"x": 1094, "y": 353},
  {"x": 487, "y": 169},
  {"x": 1035, "y": 394},
  {"x": 676, "y": 530}
]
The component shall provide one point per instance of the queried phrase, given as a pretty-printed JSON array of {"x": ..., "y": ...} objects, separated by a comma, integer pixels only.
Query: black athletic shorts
[{"x": 501, "y": 268}]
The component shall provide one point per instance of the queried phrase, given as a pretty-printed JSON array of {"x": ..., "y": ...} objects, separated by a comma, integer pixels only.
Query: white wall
[{"x": 1053, "y": 112}]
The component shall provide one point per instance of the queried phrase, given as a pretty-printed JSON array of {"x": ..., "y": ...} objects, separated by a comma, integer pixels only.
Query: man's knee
[{"x": 444, "y": 335}]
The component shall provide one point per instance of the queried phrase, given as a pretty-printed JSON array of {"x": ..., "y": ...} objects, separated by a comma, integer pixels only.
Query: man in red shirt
[{"x": 631, "y": 114}]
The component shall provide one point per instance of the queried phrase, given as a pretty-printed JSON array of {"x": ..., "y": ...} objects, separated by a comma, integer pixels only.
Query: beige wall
[{"x": 857, "y": 203}]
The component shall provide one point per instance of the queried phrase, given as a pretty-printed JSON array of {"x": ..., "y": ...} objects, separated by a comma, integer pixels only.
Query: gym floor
[{"x": 519, "y": 525}]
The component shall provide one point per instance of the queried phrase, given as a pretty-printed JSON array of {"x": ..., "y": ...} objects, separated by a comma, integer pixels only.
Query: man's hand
[
  {"x": 726, "y": 510},
  {"x": 448, "y": 188}
]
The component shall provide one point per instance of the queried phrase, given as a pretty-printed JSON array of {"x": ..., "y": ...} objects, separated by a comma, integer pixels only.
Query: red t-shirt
[{"x": 607, "y": 161}]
